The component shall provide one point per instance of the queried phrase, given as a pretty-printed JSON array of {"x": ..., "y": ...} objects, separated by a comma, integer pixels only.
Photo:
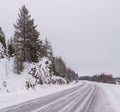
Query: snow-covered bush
[
  {"x": 41, "y": 71},
  {"x": 58, "y": 80}
]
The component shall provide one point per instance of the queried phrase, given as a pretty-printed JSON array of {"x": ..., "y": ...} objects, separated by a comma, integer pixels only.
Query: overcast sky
[{"x": 85, "y": 33}]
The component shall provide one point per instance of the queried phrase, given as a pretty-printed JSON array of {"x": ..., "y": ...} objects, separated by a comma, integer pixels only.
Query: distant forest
[{"x": 105, "y": 78}]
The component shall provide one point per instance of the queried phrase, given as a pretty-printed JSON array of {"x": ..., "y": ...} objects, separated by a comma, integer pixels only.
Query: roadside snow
[
  {"x": 107, "y": 98},
  {"x": 19, "y": 97},
  {"x": 31, "y": 76},
  {"x": 112, "y": 95},
  {"x": 13, "y": 89}
]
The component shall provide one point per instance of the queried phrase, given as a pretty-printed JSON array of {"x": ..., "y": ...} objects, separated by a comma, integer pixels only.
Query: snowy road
[
  {"x": 88, "y": 97},
  {"x": 77, "y": 99}
]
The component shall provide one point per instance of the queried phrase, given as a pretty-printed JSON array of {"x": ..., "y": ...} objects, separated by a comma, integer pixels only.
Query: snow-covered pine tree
[
  {"x": 2, "y": 44},
  {"x": 60, "y": 69},
  {"x": 10, "y": 47},
  {"x": 2, "y": 38},
  {"x": 48, "y": 49},
  {"x": 48, "y": 52},
  {"x": 59, "y": 66},
  {"x": 26, "y": 37},
  {"x": 18, "y": 64},
  {"x": 26, "y": 40}
]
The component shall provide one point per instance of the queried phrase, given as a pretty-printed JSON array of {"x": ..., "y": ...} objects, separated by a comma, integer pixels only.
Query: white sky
[{"x": 85, "y": 33}]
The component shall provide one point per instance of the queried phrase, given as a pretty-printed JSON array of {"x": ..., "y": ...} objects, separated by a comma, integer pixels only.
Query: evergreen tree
[
  {"x": 26, "y": 37},
  {"x": 47, "y": 49},
  {"x": 71, "y": 75},
  {"x": 2, "y": 44},
  {"x": 2, "y": 38},
  {"x": 18, "y": 64},
  {"x": 59, "y": 66},
  {"x": 10, "y": 47},
  {"x": 60, "y": 69}
]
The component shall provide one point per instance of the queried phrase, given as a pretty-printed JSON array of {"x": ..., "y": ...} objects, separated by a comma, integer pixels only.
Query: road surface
[{"x": 84, "y": 98}]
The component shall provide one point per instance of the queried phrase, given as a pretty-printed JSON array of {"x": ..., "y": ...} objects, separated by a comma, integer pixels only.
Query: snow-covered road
[
  {"x": 87, "y": 97},
  {"x": 77, "y": 99}
]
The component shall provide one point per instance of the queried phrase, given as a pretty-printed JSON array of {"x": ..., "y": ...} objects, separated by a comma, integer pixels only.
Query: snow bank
[{"x": 112, "y": 93}]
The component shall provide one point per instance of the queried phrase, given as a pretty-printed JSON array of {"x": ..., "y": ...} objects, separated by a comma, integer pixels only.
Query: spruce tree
[
  {"x": 10, "y": 47},
  {"x": 59, "y": 66},
  {"x": 2, "y": 44},
  {"x": 2, "y": 38},
  {"x": 26, "y": 37},
  {"x": 26, "y": 40},
  {"x": 18, "y": 64},
  {"x": 48, "y": 49}
]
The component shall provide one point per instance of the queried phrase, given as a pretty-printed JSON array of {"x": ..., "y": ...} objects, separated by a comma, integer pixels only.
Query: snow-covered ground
[
  {"x": 112, "y": 96},
  {"x": 13, "y": 87},
  {"x": 106, "y": 99},
  {"x": 16, "y": 88},
  {"x": 9, "y": 99},
  {"x": 31, "y": 76}
]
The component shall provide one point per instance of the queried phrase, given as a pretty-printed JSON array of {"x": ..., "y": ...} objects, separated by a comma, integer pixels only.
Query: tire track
[
  {"x": 60, "y": 103},
  {"x": 37, "y": 103}
]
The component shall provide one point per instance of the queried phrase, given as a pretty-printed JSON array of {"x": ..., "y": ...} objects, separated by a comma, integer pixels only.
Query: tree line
[
  {"x": 27, "y": 46},
  {"x": 105, "y": 78}
]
